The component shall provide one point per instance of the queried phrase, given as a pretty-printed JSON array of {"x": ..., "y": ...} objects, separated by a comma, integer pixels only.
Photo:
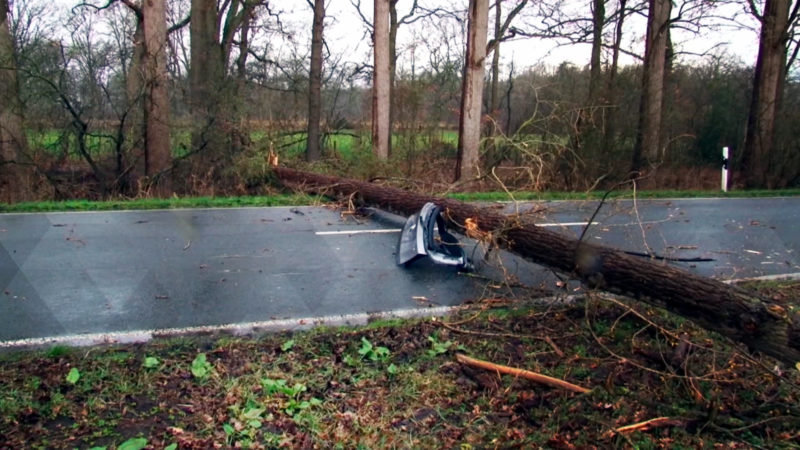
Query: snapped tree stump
[{"x": 733, "y": 312}]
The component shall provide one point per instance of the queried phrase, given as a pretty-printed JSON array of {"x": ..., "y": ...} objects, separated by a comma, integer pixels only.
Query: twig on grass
[
  {"x": 527, "y": 374},
  {"x": 547, "y": 339},
  {"x": 624, "y": 360},
  {"x": 658, "y": 422},
  {"x": 554, "y": 346}
]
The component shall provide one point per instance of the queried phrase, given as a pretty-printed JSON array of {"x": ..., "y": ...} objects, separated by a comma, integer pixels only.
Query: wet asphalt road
[
  {"x": 745, "y": 237},
  {"x": 66, "y": 274}
]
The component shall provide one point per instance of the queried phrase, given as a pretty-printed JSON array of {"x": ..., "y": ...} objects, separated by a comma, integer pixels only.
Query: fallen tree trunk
[{"x": 731, "y": 311}]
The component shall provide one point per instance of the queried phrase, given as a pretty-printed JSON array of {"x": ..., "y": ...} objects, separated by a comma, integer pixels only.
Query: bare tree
[
  {"x": 758, "y": 161},
  {"x": 609, "y": 133},
  {"x": 206, "y": 71},
  {"x": 501, "y": 27},
  {"x": 595, "y": 69},
  {"x": 313, "y": 152},
  {"x": 15, "y": 171},
  {"x": 148, "y": 109},
  {"x": 494, "y": 89},
  {"x": 648, "y": 137},
  {"x": 469, "y": 127},
  {"x": 415, "y": 13},
  {"x": 212, "y": 95},
  {"x": 157, "y": 156},
  {"x": 381, "y": 81}
]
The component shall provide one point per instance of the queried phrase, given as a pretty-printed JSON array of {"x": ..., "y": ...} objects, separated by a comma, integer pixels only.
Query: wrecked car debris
[{"x": 419, "y": 238}]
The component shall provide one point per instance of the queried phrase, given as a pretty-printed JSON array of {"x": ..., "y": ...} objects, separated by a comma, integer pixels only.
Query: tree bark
[
  {"x": 206, "y": 72},
  {"x": 469, "y": 125},
  {"x": 381, "y": 81},
  {"x": 394, "y": 24},
  {"x": 313, "y": 151},
  {"x": 158, "y": 156},
  {"x": 134, "y": 129},
  {"x": 241, "y": 139},
  {"x": 733, "y": 312},
  {"x": 494, "y": 90},
  {"x": 16, "y": 173},
  {"x": 647, "y": 146},
  {"x": 595, "y": 68},
  {"x": 586, "y": 139},
  {"x": 757, "y": 160},
  {"x": 610, "y": 131}
]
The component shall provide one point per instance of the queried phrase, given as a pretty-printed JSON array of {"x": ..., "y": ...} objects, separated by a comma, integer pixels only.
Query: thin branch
[
  {"x": 180, "y": 24},
  {"x": 504, "y": 27},
  {"x": 97, "y": 8},
  {"x": 754, "y": 10},
  {"x": 357, "y": 5},
  {"x": 521, "y": 373},
  {"x": 658, "y": 422}
]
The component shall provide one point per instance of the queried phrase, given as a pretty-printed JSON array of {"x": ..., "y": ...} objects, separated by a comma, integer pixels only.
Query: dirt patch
[{"x": 398, "y": 384}]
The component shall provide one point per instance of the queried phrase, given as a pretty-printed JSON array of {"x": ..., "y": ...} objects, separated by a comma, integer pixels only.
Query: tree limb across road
[{"x": 736, "y": 313}]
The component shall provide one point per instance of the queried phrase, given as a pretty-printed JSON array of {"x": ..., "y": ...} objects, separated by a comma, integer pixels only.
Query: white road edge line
[
  {"x": 780, "y": 276},
  {"x": 138, "y": 336},
  {"x": 332, "y": 233}
]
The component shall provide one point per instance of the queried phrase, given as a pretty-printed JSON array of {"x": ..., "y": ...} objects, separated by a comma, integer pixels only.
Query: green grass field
[{"x": 348, "y": 144}]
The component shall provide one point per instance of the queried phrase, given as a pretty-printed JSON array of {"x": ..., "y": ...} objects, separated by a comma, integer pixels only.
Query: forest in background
[{"x": 124, "y": 98}]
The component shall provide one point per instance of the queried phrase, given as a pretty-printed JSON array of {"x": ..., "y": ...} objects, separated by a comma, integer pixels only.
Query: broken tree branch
[
  {"x": 658, "y": 422},
  {"x": 735, "y": 313},
  {"x": 521, "y": 373}
]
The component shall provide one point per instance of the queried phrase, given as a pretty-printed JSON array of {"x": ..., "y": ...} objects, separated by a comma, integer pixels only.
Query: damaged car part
[{"x": 425, "y": 234}]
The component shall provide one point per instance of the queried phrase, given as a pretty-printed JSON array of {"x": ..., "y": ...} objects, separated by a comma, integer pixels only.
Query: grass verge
[
  {"x": 301, "y": 199},
  {"x": 157, "y": 203},
  {"x": 597, "y": 195},
  {"x": 397, "y": 384}
]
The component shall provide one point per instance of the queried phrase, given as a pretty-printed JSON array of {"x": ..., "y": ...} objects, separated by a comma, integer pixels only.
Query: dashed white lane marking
[{"x": 333, "y": 233}]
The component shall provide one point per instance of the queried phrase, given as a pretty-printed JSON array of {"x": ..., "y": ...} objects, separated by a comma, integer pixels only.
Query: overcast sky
[
  {"x": 346, "y": 36},
  {"x": 345, "y": 33}
]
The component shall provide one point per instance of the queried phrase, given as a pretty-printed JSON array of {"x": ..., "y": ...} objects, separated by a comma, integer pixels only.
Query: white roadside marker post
[{"x": 725, "y": 169}]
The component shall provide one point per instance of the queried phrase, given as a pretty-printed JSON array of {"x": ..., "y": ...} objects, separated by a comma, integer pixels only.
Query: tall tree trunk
[
  {"x": 667, "y": 102},
  {"x": 206, "y": 72},
  {"x": 158, "y": 156},
  {"x": 757, "y": 159},
  {"x": 585, "y": 142},
  {"x": 469, "y": 126},
  {"x": 595, "y": 68},
  {"x": 134, "y": 130},
  {"x": 494, "y": 90},
  {"x": 381, "y": 81},
  {"x": 493, "y": 152},
  {"x": 610, "y": 131},
  {"x": 313, "y": 152},
  {"x": 733, "y": 312},
  {"x": 240, "y": 138},
  {"x": 393, "y": 26},
  {"x": 647, "y": 146},
  {"x": 16, "y": 173}
]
